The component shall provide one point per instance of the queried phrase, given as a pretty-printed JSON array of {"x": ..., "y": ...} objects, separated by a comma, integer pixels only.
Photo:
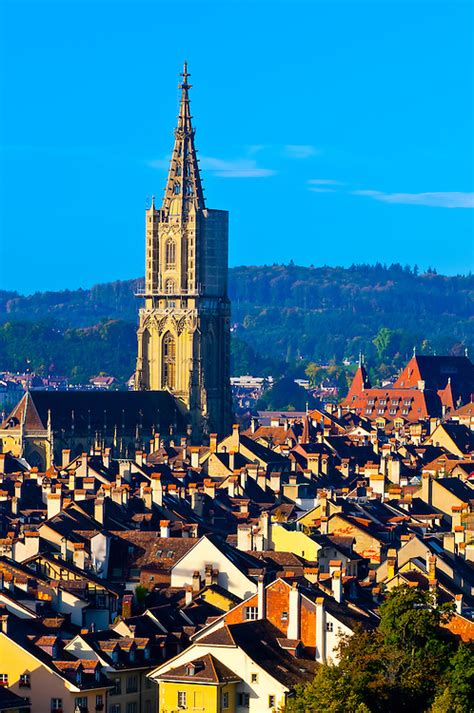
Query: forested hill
[{"x": 282, "y": 315}]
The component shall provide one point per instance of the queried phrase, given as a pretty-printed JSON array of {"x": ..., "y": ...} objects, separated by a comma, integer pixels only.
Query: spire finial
[
  {"x": 184, "y": 84},
  {"x": 361, "y": 359},
  {"x": 414, "y": 351}
]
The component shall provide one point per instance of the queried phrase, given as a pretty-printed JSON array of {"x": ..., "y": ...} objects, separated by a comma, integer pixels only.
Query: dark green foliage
[
  {"x": 406, "y": 664},
  {"x": 284, "y": 318}
]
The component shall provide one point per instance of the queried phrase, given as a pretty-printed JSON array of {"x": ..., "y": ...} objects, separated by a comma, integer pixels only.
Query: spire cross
[{"x": 185, "y": 75}]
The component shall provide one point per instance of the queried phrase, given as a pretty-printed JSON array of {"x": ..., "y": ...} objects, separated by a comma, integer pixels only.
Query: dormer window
[{"x": 190, "y": 669}]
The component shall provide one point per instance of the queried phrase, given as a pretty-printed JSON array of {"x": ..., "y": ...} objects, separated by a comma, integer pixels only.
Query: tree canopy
[{"x": 407, "y": 664}]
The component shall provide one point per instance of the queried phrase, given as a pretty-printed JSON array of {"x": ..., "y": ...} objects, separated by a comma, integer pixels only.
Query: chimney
[
  {"x": 4, "y": 622},
  {"x": 293, "y": 631},
  {"x": 320, "y": 630},
  {"x": 253, "y": 424},
  {"x": 458, "y": 600},
  {"x": 448, "y": 542},
  {"x": 156, "y": 489},
  {"x": 426, "y": 488},
  {"x": 65, "y": 457},
  {"x": 18, "y": 486},
  {"x": 194, "y": 451},
  {"x": 391, "y": 563},
  {"x": 336, "y": 584},
  {"x": 213, "y": 442},
  {"x": 79, "y": 555},
  {"x": 235, "y": 436},
  {"x": 188, "y": 596},
  {"x": 164, "y": 528},
  {"x": 106, "y": 457},
  {"x": 197, "y": 503},
  {"x": 431, "y": 565},
  {"x": 146, "y": 497},
  {"x": 196, "y": 586},
  {"x": 54, "y": 504},
  {"x": 127, "y": 601},
  {"x": 244, "y": 538},
  {"x": 232, "y": 460},
  {"x": 99, "y": 507},
  {"x": 261, "y": 599},
  {"x": 323, "y": 528},
  {"x": 139, "y": 458}
]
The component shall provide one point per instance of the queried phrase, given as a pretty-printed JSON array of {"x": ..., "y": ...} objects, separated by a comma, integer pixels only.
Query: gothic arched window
[
  {"x": 169, "y": 361},
  {"x": 170, "y": 254},
  {"x": 169, "y": 287}
]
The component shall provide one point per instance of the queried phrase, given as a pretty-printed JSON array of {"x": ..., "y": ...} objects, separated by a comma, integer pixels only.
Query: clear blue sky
[{"x": 334, "y": 132}]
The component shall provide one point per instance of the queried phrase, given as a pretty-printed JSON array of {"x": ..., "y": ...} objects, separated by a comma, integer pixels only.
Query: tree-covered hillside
[{"x": 284, "y": 318}]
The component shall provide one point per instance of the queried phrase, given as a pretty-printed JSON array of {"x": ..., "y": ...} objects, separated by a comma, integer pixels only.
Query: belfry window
[
  {"x": 169, "y": 361},
  {"x": 189, "y": 189},
  {"x": 170, "y": 254},
  {"x": 176, "y": 188}
]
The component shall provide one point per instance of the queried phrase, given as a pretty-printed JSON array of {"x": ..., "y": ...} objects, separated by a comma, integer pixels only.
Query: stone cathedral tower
[{"x": 184, "y": 334}]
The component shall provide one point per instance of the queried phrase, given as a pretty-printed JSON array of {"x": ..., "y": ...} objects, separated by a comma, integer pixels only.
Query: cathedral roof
[{"x": 94, "y": 410}]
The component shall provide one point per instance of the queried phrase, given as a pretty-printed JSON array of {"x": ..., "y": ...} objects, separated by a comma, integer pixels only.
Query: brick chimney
[{"x": 196, "y": 586}]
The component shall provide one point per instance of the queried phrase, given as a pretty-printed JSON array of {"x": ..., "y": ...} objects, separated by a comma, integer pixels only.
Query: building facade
[{"x": 184, "y": 326}]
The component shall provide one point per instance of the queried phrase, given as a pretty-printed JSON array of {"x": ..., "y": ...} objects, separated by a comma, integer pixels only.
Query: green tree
[{"x": 400, "y": 666}]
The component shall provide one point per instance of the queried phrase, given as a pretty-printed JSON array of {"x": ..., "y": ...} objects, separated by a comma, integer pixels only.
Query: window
[
  {"x": 117, "y": 687},
  {"x": 254, "y": 677},
  {"x": 405, "y": 411},
  {"x": 25, "y": 680},
  {"x": 177, "y": 189},
  {"x": 181, "y": 699},
  {"x": 329, "y": 626},
  {"x": 169, "y": 361},
  {"x": 56, "y": 704},
  {"x": 99, "y": 702},
  {"x": 243, "y": 700},
  {"x": 393, "y": 411},
  {"x": 132, "y": 684},
  {"x": 115, "y": 708},
  {"x": 284, "y": 616},
  {"x": 271, "y": 701},
  {"x": 132, "y": 707},
  {"x": 225, "y": 699},
  {"x": 3, "y": 679},
  {"x": 380, "y": 411},
  {"x": 170, "y": 254},
  {"x": 148, "y": 706},
  {"x": 169, "y": 287},
  {"x": 251, "y": 613},
  {"x": 80, "y": 703}
]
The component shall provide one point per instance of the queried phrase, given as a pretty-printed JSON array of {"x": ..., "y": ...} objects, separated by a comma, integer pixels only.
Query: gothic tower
[{"x": 183, "y": 333}]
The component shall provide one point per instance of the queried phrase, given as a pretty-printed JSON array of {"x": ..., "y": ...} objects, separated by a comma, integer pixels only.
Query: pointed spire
[{"x": 183, "y": 188}]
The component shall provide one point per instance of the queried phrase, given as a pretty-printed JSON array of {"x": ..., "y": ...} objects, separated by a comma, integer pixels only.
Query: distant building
[
  {"x": 429, "y": 386},
  {"x": 103, "y": 382}
]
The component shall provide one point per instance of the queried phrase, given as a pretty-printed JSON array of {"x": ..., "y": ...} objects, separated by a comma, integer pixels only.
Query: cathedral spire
[{"x": 183, "y": 188}]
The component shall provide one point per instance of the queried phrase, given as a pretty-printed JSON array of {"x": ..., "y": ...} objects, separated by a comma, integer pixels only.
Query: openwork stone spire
[{"x": 183, "y": 188}]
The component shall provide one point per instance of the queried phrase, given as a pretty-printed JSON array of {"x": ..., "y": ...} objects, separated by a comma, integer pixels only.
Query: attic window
[{"x": 190, "y": 669}]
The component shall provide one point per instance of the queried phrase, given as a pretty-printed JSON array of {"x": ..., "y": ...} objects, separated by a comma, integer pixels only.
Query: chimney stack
[{"x": 293, "y": 631}]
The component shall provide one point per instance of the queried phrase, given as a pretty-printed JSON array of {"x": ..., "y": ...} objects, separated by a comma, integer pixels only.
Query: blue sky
[{"x": 334, "y": 132}]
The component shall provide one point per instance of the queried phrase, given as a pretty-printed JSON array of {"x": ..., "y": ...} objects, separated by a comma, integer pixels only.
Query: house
[
  {"x": 254, "y": 672},
  {"x": 35, "y": 665}
]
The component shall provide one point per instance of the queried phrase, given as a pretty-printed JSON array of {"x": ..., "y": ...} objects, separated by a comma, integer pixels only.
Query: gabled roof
[{"x": 205, "y": 669}]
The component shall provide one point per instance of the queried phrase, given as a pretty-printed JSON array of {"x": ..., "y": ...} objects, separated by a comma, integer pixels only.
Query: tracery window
[
  {"x": 169, "y": 361},
  {"x": 170, "y": 254},
  {"x": 169, "y": 287}
]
